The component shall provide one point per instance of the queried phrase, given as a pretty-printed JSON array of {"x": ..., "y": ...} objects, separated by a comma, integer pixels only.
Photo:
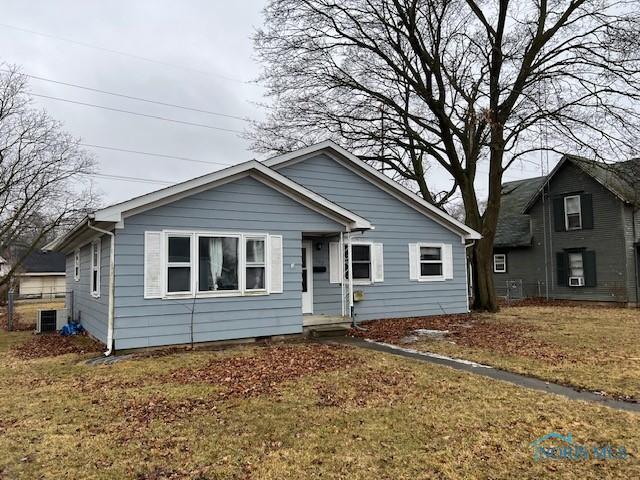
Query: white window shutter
[
  {"x": 414, "y": 267},
  {"x": 275, "y": 259},
  {"x": 377, "y": 263},
  {"x": 447, "y": 261},
  {"x": 153, "y": 265},
  {"x": 335, "y": 263}
]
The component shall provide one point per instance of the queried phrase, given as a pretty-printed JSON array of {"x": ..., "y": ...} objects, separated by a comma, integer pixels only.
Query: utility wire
[
  {"x": 161, "y": 155},
  {"x": 130, "y": 179},
  {"x": 131, "y": 97},
  {"x": 126, "y": 54},
  {"x": 130, "y": 112}
]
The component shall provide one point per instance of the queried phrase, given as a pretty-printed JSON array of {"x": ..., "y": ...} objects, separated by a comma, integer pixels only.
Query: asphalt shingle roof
[
  {"x": 44, "y": 262},
  {"x": 513, "y": 230}
]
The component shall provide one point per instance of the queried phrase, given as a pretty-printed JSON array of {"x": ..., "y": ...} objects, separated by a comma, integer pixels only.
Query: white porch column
[
  {"x": 342, "y": 285},
  {"x": 350, "y": 269}
]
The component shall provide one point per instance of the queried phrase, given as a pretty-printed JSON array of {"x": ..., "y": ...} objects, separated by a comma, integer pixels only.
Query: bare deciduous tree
[
  {"x": 43, "y": 183},
  {"x": 409, "y": 84}
]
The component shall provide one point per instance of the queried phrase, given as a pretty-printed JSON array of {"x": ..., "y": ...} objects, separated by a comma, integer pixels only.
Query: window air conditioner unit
[
  {"x": 51, "y": 320},
  {"x": 576, "y": 281}
]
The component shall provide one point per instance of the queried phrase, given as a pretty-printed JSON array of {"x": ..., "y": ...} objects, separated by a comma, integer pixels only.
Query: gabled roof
[
  {"x": 116, "y": 214},
  {"x": 518, "y": 197},
  {"x": 39, "y": 261},
  {"x": 620, "y": 178},
  {"x": 366, "y": 171}
]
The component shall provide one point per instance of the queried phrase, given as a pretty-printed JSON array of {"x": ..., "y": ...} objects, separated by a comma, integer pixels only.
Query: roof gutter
[{"x": 112, "y": 271}]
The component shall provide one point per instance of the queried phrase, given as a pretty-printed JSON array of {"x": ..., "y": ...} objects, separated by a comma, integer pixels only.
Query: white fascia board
[
  {"x": 116, "y": 213},
  {"x": 416, "y": 201},
  {"x": 42, "y": 274}
]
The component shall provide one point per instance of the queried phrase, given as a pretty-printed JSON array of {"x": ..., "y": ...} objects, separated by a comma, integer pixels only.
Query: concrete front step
[{"x": 324, "y": 331}]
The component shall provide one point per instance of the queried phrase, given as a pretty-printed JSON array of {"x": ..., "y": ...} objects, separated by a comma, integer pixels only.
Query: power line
[
  {"x": 119, "y": 52},
  {"x": 130, "y": 112},
  {"x": 161, "y": 155},
  {"x": 130, "y": 179},
  {"x": 131, "y": 97}
]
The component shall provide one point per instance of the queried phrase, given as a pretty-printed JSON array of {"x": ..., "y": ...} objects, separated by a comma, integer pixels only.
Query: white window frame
[
  {"x": 497, "y": 256},
  {"x": 359, "y": 281},
  {"x": 566, "y": 212},
  {"x": 194, "y": 264},
  {"x": 168, "y": 264},
  {"x": 76, "y": 265},
  {"x": 431, "y": 278},
  {"x": 243, "y": 260},
  {"x": 95, "y": 268},
  {"x": 570, "y": 271}
]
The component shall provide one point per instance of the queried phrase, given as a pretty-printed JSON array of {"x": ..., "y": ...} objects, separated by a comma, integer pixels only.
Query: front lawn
[
  {"x": 285, "y": 411},
  {"x": 594, "y": 348}
]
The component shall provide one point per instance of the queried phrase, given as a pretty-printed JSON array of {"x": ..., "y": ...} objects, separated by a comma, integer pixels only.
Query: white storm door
[{"x": 307, "y": 277}]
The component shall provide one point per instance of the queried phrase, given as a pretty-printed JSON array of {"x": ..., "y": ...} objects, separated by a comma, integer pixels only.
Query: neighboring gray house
[
  {"x": 263, "y": 249},
  {"x": 572, "y": 234}
]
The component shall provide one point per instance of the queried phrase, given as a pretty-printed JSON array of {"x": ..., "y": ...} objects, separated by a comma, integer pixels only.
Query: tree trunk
[{"x": 484, "y": 293}]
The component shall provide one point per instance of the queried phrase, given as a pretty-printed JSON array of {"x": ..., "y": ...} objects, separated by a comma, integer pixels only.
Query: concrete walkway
[{"x": 490, "y": 372}]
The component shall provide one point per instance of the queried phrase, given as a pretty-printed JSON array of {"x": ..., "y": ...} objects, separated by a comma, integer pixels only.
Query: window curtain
[{"x": 215, "y": 260}]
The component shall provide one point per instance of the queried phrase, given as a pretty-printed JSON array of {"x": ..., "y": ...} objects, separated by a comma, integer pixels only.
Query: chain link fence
[
  {"x": 22, "y": 310},
  {"x": 517, "y": 289}
]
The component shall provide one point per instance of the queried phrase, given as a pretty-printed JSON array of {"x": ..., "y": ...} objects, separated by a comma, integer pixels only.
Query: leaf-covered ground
[
  {"x": 588, "y": 347},
  {"x": 298, "y": 411}
]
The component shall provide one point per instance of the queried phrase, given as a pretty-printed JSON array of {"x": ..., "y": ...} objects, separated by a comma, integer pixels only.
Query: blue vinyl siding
[
  {"x": 245, "y": 205},
  {"x": 396, "y": 225},
  {"x": 92, "y": 312}
]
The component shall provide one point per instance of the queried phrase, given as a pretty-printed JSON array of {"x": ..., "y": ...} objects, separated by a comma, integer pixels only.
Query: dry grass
[
  {"x": 382, "y": 417},
  {"x": 593, "y": 348}
]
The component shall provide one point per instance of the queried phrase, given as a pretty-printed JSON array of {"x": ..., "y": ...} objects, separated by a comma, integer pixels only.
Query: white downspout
[{"x": 112, "y": 284}]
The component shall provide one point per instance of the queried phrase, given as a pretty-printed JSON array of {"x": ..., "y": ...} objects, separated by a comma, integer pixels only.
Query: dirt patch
[
  {"x": 467, "y": 330},
  {"x": 53, "y": 345},
  {"x": 265, "y": 368}
]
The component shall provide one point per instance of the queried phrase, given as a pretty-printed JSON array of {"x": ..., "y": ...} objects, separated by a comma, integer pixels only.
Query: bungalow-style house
[
  {"x": 42, "y": 275},
  {"x": 573, "y": 234},
  {"x": 264, "y": 249}
]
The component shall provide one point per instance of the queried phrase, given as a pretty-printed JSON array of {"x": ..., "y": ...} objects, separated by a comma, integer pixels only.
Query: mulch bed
[
  {"x": 469, "y": 331},
  {"x": 261, "y": 371},
  {"x": 53, "y": 345}
]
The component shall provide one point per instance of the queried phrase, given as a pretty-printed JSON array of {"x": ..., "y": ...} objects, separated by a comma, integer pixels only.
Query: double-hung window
[
  {"x": 572, "y": 212},
  {"x": 218, "y": 263},
  {"x": 360, "y": 264},
  {"x": 431, "y": 262},
  {"x": 179, "y": 264},
  {"x": 576, "y": 265},
  {"x": 255, "y": 263},
  {"x": 95, "y": 268},
  {"x": 499, "y": 263}
]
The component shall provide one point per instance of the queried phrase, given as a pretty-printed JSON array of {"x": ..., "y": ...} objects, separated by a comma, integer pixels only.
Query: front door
[{"x": 307, "y": 278}]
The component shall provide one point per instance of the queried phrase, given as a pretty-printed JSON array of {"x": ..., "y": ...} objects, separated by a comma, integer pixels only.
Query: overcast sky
[{"x": 197, "y": 54}]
